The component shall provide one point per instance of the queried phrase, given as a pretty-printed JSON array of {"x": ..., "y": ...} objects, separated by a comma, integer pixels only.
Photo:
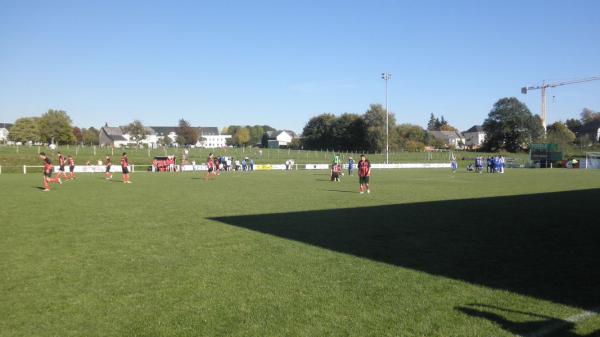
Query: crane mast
[{"x": 544, "y": 86}]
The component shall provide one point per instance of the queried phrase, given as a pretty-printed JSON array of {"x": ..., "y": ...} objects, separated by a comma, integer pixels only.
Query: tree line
[
  {"x": 248, "y": 135},
  {"x": 367, "y": 132},
  {"x": 509, "y": 126},
  {"x": 54, "y": 126}
]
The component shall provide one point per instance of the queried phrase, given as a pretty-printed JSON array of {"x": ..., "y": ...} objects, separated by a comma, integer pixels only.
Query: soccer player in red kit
[
  {"x": 364, "y": 172},
  {"x": 48, "y": 172},
  {"x": 125, "y": 168},
  {"x": 336, "y": 169},
  {"x": 211, "y": 167},
  {"x": 61, "y": 166},
  {"x": 108, "y": 164},
  {"x": 71, "y": 163}
]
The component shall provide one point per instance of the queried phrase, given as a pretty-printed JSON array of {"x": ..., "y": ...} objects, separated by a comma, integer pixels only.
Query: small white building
[
  {"x": 210, "y": 138},
  {"x": 165, "y": 131},
  {"x": 213, "y": 141},
  {"x": 474, "y": 137},
  {"x": 150, "y": 140},
  {"x": 112, "y": 136},
  {"x": 449, "y": 138},
  {"x": 280, "y": 138}
]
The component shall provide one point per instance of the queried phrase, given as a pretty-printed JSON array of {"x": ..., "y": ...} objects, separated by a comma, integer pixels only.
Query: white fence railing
[
  {"x": 257, "y": 167},
  {"x": 79, "y": 168}
]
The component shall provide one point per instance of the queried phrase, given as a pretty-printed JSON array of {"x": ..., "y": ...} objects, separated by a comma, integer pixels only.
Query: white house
[
  {"x": 280, "y": 138},
  {"x": 4, "y": 127},
  {"x": 150, "y": 140},
  {"x": 449, "y": 138},
  {"x": 112, "y": 136},
  {"x": 210, "y": 138},
  {"x": 474, "y": 137},
  {"x": 166, "y": 131}
]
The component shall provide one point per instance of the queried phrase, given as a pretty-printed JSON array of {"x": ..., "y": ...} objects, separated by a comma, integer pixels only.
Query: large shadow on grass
[{"x": 542, "y": 245}]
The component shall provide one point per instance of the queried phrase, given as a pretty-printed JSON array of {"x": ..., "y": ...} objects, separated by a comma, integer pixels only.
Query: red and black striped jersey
[
  {"x": 124, "y": 162},
  {"x": 71, "y": 162},
  {"x": 47, "y": 165},
  {"x": 61, "y": 160},
  {"x": 364, "y": 167}
]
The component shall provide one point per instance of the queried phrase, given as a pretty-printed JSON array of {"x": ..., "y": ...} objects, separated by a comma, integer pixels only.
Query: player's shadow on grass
[
  {"x": 341, "y": 191},
  {"x": 541, "y": 245},
  {"x": 528, "y": 323}
]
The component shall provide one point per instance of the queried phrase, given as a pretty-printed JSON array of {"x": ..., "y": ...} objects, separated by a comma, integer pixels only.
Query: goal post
[{"x": 592, "y": 160}]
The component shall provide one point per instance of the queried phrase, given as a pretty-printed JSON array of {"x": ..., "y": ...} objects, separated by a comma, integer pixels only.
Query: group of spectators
[
  {"x": 223, "y": 163},
  {"x": 289, "y": 164},
  {"x": 493, "y": 164},
  {"x": 164, "y": 164}
]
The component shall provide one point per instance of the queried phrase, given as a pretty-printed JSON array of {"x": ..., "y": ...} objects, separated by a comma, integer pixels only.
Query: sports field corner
[{"x": 427, "y": 253}]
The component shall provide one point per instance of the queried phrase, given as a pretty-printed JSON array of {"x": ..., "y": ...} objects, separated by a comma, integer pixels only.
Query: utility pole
[{"x": 386, "y": 77}]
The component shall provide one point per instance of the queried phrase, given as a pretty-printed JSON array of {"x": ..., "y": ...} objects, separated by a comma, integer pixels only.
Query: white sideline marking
[{"x": 582, "y": 316}]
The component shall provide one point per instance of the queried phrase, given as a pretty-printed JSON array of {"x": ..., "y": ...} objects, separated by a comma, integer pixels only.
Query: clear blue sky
[{"x": 282, "y": 62}]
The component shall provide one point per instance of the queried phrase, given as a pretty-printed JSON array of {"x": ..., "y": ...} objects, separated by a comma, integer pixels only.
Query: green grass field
[{"x": 427, "y": 253}]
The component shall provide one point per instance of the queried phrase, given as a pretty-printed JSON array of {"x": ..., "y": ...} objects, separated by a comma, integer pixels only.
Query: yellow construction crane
[{"x": 545, "y": 85}]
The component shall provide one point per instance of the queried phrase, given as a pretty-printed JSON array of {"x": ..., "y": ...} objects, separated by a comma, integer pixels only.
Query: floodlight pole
[{"x": 386, "y": 77}]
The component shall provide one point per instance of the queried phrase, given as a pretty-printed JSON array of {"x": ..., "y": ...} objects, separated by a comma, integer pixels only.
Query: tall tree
[
  {"x": 256, "y": 133},
  {"x": 443, "y": 122},
  {"x": 510, "y": 125},
  {"x": 436, "y": 124},
  {"x": 348, "y": 132},
  {"x": 590, "y": 123},
  {"x": 589, "y": 116},
  {"x": 574, "y": 125},
  {"x": 433, "y": 123},
  {"x": 136, "y": 130},
  {"x": 91, "y": 136},
  {"x": 241, "y": 137},
  {"x": 188, "y": 133},
  {"x": 447, "y": 127},
  {"x": 318, "y": 132},
  {"x": 25, "y": 130},
  {"x": 77, "y": 132},
  {"x": 264, "y": 140},
  {"x": 165, "y": 141},
  {"x": 375, "y": 135},
  {"x": 55, "y": 126},
  {"x": 180, "y": 140},
  {"x": 268, "y": 128},
  {"x": 558, "y": 133},
  {"x": 410, "y": 137}
]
